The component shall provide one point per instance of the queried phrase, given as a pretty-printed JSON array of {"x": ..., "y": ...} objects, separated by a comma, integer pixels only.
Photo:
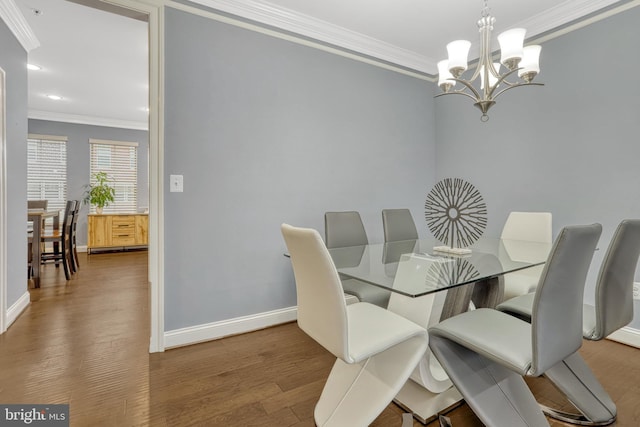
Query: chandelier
[{"x": 513, "y": 56}]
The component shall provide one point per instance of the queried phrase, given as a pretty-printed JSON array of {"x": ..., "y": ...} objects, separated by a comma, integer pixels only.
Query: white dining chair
[
  {"x": 532, "y": 227},
  {"x": 376, "y": 350}
]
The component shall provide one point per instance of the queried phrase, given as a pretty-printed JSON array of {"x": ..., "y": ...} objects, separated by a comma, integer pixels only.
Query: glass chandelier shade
[
  {"x": 511, "y": 46},
  {"x": 444, "y": 75},
  {"x": 458, "y": 53},
  {"x": 530, "y": 64}
]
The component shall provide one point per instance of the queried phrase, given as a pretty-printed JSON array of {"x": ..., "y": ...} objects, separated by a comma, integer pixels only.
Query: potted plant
[{"x": 101, "y": 193}]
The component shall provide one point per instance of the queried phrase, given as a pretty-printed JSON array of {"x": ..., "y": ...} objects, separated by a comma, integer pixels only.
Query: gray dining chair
[
  {"x": 345, "y": 229},
  {"x": 375, "y": 349},
  {"x": 398, "y": 224},
  {"x": 487, "y": 352},
  {"x": 613, "y": 310}
]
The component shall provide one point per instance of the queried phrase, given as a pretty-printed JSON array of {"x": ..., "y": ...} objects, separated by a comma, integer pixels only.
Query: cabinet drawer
[
  {"x": 123, "y": 221},
  {"x": 123, "y": 239},
  {"x": 123, "y": 229}
]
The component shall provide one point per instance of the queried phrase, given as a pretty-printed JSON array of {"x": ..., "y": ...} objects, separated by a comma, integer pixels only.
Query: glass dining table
[
  {"x": 432, "y": 270},
  {"x": 428, "y": 286}
]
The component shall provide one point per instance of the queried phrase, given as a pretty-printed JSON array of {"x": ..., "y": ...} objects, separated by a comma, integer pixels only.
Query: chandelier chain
[{"x": 485, "y": 9}]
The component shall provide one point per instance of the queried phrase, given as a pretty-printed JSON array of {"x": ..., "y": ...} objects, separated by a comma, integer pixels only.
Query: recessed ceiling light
[
  {"x": 33, "y": 67},
  {"x": 54, "y": 97}
]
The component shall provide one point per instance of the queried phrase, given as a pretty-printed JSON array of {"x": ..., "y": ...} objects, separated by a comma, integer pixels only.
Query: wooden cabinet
[
  {"x": 142, "y": 228},
  {"x": 98, "y": 231},
  {"x": 117, "y": 230}
]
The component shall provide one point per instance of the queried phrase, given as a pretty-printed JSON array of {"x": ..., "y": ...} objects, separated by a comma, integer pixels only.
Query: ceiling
[{"x": 97, "y": 60}]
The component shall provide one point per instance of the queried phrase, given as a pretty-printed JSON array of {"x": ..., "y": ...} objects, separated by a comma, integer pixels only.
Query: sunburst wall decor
[{"x": 455, "y": 212}]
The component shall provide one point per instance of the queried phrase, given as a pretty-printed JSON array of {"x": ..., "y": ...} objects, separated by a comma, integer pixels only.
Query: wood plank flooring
[{"x": 85, "y": 342}]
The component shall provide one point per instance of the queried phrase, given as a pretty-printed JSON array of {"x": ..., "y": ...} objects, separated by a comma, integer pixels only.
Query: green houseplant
[{"x": 101, "y": 193}]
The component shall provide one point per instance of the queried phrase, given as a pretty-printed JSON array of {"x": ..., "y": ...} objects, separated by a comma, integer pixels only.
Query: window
[
  {"x": 47, "y": 169},
  {"x": 119, "y": 160}
]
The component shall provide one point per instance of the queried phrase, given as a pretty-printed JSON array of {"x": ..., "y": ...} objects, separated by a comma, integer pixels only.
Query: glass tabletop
[{"x": 413, "y": 268}]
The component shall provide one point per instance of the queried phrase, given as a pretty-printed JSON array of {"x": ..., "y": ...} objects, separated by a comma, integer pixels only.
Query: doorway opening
[{"x": 151, "y": 195}]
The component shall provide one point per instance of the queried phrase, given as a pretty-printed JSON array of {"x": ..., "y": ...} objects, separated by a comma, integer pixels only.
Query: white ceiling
[{"x": 97, "y": 61}]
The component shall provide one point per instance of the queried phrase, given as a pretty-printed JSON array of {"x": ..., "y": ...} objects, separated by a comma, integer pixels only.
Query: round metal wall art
[{"x": 455, "y": 212}]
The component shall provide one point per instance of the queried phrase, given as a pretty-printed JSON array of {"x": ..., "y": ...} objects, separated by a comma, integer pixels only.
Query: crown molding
[
  {"x": 87, "y": 120},
  {"x": 562, "y": 14},
  {"x": 316, "y": 29},
  {"x": 286, "y": 19},
  {"x": 14, "y": 19}
]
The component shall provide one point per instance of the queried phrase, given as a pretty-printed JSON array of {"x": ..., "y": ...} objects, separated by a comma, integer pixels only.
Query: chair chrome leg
[
  {"x": 571, "y": 418},
  {"x": 444, "y": 421},
  {"x": 575, "y": 380}
]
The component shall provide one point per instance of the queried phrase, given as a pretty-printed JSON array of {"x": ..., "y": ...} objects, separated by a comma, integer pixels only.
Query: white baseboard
[
  {"x": 224, "y": 328},
  {"x": 626, "y": 335},
  {"x": 17, "y": 308},
  {"x": 239, "y": 325},
  {"x": 81, "y": 248}
]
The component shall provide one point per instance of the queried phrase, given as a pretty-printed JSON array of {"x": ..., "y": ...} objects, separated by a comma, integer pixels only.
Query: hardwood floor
[{"x": 85, "y": 342}]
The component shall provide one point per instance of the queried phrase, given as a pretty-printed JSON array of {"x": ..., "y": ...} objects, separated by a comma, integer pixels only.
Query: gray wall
[
  {"x": 266, "y": 131},
  {"x": 13, "y": 61},
  {"x": 571, "y": 147},
  {"x": 78, "y": 159}
]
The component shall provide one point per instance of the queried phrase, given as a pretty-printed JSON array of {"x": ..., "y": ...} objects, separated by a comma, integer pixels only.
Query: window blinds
[
  {"x": 47, "y": 170},
  {"x": 119, "y": 160}
]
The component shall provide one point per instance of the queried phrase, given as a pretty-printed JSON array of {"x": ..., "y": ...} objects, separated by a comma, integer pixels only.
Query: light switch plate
[{"x": 176, "y": 183}]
